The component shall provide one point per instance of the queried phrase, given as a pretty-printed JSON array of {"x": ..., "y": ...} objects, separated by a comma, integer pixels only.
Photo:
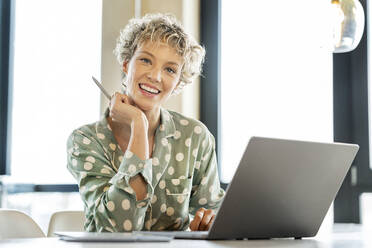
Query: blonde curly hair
[{"x": 165, "y": 28}]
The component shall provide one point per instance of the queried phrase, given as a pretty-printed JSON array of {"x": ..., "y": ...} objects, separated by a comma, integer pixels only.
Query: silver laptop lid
[{"x": 282, "y": 188}]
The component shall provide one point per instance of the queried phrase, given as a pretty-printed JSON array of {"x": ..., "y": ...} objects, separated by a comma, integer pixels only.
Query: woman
[{"x": 142, "y": 167}]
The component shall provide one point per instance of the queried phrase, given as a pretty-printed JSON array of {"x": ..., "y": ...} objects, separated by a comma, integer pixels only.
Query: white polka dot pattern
[
  {"x": 170, "y": 170},
  {"x": 132, "y": 169},
  {"x": 163, "y": 208},
  {"x": 162, "y": 184},
  {"x": 202, "y": 201},
  {"x": 198, "y": 130},
  {"x": 204, "y": 181},
  {"x": 148, "y": 224},
  {"x": 170, "y": 211},
  {"x": 158, "y": 176},
  {"x": 129, "y": 190},
  {"x": 101, "y": 208},
  {"x": 177, "y": 134},
  {"x": 141, "y": 204},
  {"x": 188, "y": 142},
  {"x": 180, "y": 198},
  {"x": 197, "y": 165},
  {"x": 167, "y": 157},
  {"x": 154, "y": 199},
  {"x": 86, "y": 141},
  {"x": 182, "y": 149},
  {"x": 127, "y": 225},
  {"x": 155, "y": 161},
  {"x": 140, "y": 219},
  {"x": 112, "y": 146},
  {"x": 184, "y": 122},
  {"x": 195, "y": 152},
  {"x": 179, "y": 157},
  {"x": 88, "y": 166},
  {"x": 101, "y": 136},
  {"x": 90, "y": 159},
  {"x": 162, "y": 127},
  {"x": 93, "y": 188},
  {"x": 125, "y": 204},
  {"x": 128, "y": 154},
  {"x": 176, "y": 181},
  {"x": 164, "y": 141},
  {"x": 111, "y": 206},
  {"x": 74, "y": 162}
]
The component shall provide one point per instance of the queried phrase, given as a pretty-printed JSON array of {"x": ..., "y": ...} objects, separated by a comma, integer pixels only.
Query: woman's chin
[{"x": 144, "y": 106}]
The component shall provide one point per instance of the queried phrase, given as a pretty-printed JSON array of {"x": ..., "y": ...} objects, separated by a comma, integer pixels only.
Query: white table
[{"x": 351, "y": 236}]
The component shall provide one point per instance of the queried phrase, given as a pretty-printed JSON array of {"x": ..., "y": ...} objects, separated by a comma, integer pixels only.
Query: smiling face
[{"x": 152, "y": 74}]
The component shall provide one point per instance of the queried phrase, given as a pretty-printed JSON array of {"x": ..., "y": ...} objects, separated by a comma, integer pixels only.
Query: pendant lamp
[{"x": 347, "y": 24}]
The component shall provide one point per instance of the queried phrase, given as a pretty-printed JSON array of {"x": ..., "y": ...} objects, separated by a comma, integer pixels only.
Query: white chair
[
  {"x": 66, "y": 221},
  {"x": 16, "y": 224}
]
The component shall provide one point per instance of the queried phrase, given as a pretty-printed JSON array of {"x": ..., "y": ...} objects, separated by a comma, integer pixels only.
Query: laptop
[
  {"x": 281, "y": 189},
  {"x": 111, "y": 237}
]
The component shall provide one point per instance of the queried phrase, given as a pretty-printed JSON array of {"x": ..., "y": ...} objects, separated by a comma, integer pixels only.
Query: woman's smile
[{"x": 148, "y": 90}]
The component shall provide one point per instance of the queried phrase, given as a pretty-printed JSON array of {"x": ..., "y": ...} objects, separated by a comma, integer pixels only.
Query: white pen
[{"x": 101, "y": 88}]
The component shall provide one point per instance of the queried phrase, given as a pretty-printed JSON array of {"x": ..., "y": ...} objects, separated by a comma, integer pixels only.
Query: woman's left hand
[{"x": 203, "y": 220}]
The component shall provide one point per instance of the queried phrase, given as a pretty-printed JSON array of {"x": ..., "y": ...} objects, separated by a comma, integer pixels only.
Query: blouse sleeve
[
  {"x": 109, "y": 200},
  {"x": 206, "y": 191}
]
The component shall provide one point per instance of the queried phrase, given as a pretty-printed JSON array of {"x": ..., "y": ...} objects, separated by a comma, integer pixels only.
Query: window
[
  {"x": 56, "y": 51},
  {"x": 276, "y": 75}
]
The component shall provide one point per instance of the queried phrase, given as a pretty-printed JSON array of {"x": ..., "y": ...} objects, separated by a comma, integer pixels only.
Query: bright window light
[
  {"x": 276, "y": 74},
  {"x": 57, "y": 49}
]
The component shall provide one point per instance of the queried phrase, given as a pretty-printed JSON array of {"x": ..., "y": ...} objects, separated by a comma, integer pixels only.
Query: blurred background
[{"x": 269, "y": 71}]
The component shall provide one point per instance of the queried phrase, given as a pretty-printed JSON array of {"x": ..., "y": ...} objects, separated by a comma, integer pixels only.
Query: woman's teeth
[{"x": 149, "y": 89}]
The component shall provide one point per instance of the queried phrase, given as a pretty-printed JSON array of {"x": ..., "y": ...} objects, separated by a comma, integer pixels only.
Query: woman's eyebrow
[
  {"x": 148, "y": 53},
  {"x": 173, "y": 63},
  {"x": 168, "y": 62}
]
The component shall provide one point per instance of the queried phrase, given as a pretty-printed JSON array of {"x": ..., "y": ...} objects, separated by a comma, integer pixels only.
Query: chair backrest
[
  {"x": 16, "y": 224},
  {"x": 66, "y": 221}
]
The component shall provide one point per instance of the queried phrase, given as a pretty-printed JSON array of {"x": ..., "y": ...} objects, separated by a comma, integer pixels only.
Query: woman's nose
[{"x": 155, "y": 75}]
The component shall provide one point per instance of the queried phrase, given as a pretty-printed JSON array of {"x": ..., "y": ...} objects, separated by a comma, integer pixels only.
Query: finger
[
  {"x": 210, "y": 223},
  {"x": 113, "y": 100},
  {"x": 194, "y": 225},
  {"x": 206, "y": 219},
  {"x": 124, "y": 99}
]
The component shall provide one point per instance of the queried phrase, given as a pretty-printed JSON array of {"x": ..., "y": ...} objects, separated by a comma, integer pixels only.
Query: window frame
[
  {"x": 210, "y": 82},
  {"x": 351, "y": 124},
  {"x": 6, "y": 86}
]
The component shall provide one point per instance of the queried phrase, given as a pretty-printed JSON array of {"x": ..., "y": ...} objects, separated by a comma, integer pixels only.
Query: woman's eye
[
  {"x": 147, "y": 61},
  {"x": 170, "y": 70}
]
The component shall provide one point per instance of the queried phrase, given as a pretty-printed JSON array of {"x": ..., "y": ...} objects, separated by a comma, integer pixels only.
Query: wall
[{"x": 116, "y": 14}]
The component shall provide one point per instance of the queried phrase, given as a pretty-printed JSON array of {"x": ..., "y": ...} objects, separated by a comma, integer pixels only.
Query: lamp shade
[{"x": 348, "y": 24}]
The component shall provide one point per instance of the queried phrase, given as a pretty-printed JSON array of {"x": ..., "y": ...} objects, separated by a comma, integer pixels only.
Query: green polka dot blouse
[{"x": 181, "y": 176}]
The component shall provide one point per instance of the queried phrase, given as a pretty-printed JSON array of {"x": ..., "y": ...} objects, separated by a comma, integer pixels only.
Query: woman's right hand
[{"x": 124, "y": 111}]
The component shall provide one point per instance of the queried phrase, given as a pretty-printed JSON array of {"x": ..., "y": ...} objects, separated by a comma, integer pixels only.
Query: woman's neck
[{"x": 153, "y": 117}]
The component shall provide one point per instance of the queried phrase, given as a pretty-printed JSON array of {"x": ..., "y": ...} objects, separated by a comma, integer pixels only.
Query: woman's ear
[{"x": 125, "y": 66}]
